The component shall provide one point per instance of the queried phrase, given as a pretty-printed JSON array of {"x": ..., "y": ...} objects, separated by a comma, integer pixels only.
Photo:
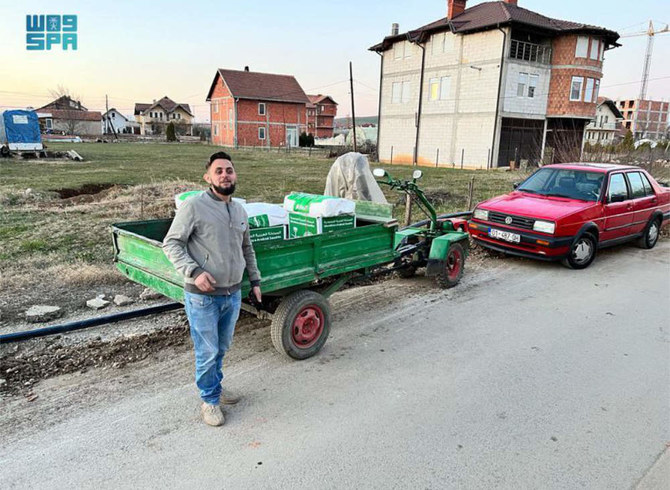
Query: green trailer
[{"x": 298, "y": 275}]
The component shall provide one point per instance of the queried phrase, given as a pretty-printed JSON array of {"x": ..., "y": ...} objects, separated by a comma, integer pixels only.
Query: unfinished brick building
[{"x": 256, "y": 109}]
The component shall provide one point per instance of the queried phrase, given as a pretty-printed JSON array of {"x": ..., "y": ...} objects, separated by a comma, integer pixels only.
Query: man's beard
[{"x": 224, "y": 191}]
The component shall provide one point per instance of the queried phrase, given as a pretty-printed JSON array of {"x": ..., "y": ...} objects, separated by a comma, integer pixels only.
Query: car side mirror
[
  {"x": 617, "y": 199},
  {"x": 379, "y": 172},
  {"x": 516, "y": 184}
]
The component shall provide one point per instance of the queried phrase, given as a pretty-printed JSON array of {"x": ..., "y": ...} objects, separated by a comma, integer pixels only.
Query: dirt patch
[{"x": 85, "y": 193}]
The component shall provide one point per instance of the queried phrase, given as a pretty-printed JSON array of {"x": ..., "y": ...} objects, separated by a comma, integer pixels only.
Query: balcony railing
[{"x": 538, "y": 53}]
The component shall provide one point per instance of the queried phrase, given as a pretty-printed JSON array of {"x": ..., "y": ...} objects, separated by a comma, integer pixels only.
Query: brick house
[
  {"x": 70, "y": 117},
  {"x": 645, "y": 118},
  {"x": 256, "y": 109},
  {"x": 321, "y": 112},
  {"x": 488, "y": 85},
  {"x": 603, "y": 129},
  {"x": 153, "y": 118}
]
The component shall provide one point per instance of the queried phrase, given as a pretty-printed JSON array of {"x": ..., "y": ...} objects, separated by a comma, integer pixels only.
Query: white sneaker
[{"x": 212, "y": 415}]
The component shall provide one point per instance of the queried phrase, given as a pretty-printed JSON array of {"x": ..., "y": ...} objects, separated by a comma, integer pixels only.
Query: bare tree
[{"x": 71, "y": 110}]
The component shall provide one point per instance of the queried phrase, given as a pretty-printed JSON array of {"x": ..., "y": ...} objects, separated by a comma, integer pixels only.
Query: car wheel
[
  {"x": 582, "y": 253},
  {"x": 651, "y": 232}
]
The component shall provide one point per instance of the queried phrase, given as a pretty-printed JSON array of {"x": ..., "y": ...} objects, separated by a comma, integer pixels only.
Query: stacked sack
[{"x": 311, "y": 214}]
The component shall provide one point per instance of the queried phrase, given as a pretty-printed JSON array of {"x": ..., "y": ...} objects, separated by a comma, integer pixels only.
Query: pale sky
[{"x": 137, "y": 51}]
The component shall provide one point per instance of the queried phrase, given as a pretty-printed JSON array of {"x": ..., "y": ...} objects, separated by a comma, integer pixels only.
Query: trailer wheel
[
  {"x": 454, "y": 264},
  {"x": 301, "y": 324}
]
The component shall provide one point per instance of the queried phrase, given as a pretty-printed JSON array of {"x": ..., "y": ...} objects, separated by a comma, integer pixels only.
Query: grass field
[{"x": 46, "y": 239}]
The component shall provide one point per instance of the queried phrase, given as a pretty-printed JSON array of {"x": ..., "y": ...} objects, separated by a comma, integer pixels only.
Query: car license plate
[{"x": 504, "y": 235}]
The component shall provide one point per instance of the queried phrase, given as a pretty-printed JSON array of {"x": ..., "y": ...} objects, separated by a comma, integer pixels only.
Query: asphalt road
[{"x": 527, "y": 375}]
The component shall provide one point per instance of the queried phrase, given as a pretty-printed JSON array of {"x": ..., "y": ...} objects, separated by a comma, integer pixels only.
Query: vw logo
[{"x": 508, "y": 220}]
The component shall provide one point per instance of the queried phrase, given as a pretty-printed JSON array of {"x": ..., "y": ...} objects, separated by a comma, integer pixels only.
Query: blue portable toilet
[{"x": 20, "y": 130}]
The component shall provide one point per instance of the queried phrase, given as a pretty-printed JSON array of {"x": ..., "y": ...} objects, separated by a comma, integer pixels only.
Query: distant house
[
  {"x": 647, "y": 119},
  {"x": 321, "y": 112},
  {"x": 69, "y": 116},
  {"x": 602, "y": 130},
  {"x": 256, "y": 109},
  {"x": 115, "y": 122},
  {"x": 153, "y": 118}
]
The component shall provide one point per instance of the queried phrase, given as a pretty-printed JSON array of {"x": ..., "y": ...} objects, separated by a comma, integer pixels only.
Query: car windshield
[{"x": 561, "y": 182}]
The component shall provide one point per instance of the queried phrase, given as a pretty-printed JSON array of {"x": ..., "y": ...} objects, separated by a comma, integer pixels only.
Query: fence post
[
  {"x": 471, "y": 191},
  {"x": 462, "y": 155},
  {"x": 391, "y": 154},
  {"x": 437, "y": 157},
  {"x": 488, "y": 158}
]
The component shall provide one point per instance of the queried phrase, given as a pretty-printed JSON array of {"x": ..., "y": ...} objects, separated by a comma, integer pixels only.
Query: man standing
[{"x": 209, "y": 244}]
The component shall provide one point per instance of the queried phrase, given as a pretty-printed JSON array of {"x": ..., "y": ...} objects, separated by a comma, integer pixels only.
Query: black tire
[
  {"x": 453, "y": 268},
  {"x": 651, "y": 233},
  {"x": 301, "y": 324},
  {"x": 582, "y": 253}
]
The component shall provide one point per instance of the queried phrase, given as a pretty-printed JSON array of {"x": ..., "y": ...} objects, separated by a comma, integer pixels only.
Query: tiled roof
[
  {"x": 76, "y": 115},
  {"x": 260, "y": 86},
  {"x": 166, "y": 103},
  {"x": 490, "y": 15},
  {"x": 315, "y": 99}
]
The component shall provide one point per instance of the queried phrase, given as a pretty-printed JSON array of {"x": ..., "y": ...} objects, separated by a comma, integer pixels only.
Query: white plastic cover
[{"x": 350, "y": 177}]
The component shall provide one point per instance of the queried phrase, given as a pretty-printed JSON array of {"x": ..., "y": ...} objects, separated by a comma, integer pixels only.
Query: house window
[
  {"x": 407, "y": 48},
  {"x": 113, "y": 115},
  {"x": 588, "y": 94},
  {"x": 216, "y": 129},
  {"x": 445, "y": 87},
  {"x": 48, "y": 123},
  {"x": 582, "y": 47},
  {"x": 397, "y": 50},
  {"x": 595, "y": 47},
  {"x": 576, "y": 88},
  {"x": 405, "y": 92},
  {"x": 596, "y": 91},
  {"x": 434, "y": 88},
  {"x": 178, "y": 116},
  {"x": 230, "y": 116},
  {"x": 532, "y": 85},
  {"x": 261, "y": 133},
  {"x": 448, "y": 42},
  {"x": 215, "y": 106},
  {"x": 437, "y": 44},
  {"x": 521, "y": 84},
  {"x": 261, "y": 110},
  {"x": 396, "y": 93}
]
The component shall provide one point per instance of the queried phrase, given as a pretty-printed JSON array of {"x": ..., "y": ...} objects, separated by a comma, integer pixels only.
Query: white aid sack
[
  {"x": 318, "y": 206},
  {"x": 263, "y": 214}
]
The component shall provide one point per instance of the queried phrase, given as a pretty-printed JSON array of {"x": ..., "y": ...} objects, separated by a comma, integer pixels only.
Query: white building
[
  {"x": 602, "y": 130},
  {"x": 488, "y": 85},
  {"x": 115, "y": 122}
]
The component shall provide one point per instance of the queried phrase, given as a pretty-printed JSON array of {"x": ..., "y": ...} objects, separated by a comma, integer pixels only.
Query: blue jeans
[{"x": 212, "y": 320}]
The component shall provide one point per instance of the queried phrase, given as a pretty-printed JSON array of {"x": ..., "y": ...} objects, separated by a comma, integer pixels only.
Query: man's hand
[
  {"x": 257, "y": 293},
  {"x": 205, "y": 282}
]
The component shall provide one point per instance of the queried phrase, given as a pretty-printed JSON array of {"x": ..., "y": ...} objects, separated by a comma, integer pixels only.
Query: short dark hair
[{"x": 219, "y": 155}]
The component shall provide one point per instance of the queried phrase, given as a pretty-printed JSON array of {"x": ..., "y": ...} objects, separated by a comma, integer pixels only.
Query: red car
[{"x": 567, "y": 211}]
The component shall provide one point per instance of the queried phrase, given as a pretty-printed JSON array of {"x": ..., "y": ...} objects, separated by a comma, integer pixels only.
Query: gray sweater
[{"x": 208, "y": 234}]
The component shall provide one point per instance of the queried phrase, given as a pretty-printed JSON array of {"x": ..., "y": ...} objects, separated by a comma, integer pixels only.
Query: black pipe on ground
[{"x": 91, "y": 322}]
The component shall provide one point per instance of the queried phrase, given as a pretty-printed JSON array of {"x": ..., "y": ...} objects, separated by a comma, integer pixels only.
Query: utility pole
[
  {"x": 353, "y": 112},
  {"x": 106, "y": 114}
]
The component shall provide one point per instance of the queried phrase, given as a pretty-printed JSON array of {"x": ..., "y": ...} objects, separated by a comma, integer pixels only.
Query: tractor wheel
[
  {"x": 453, "y": 268},
  {"x": 301, "y": 324}
]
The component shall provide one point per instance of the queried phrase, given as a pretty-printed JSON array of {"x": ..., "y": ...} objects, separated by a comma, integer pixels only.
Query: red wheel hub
[
  {"x": 307, "y": 326},
  {"x": 454, "y": 264}
]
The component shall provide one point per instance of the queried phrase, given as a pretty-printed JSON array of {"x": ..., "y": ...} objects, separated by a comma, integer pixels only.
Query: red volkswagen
[{"x": 567, "y": 211}]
